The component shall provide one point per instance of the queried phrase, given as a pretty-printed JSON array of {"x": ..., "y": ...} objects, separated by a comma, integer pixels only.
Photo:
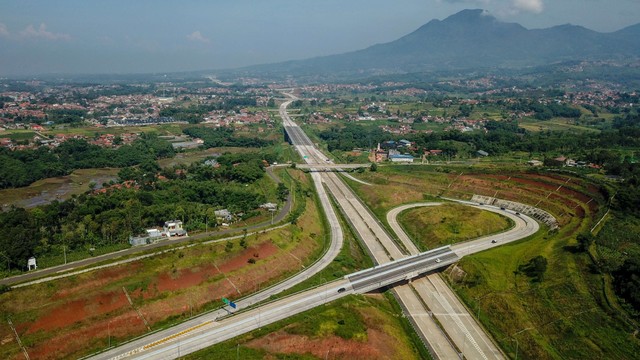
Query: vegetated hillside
[{"x": 471, "y": 39}]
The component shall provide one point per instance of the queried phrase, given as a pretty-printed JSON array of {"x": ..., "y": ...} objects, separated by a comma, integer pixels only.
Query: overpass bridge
[
  {"x": 228, "y": 322},
  {"x": 331, "y": 166},
  {"x": 403, "y": 269}
]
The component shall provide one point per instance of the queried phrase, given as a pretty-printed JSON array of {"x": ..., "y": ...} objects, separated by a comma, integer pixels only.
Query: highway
[
  {"x": 226, "y": 323},
  {"x": 417, "y": 301},
  {"x": 396, "y": 259},
  {"x": 334, "y": 166},
  {"x": 523, "y": 226}
]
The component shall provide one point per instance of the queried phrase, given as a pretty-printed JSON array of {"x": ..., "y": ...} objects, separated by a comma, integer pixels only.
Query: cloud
[
  {"x": 534, "y": 6},
  {"x": 503, "y": 7},
  {"x": 198, "y": 37},
  {"x": 479, "y": 2},
  {"x": 42, "y": 33},
  {"x": 4, "y": 32}
]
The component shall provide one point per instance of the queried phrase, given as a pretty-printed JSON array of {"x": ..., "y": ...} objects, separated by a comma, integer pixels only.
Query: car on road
[
  {"x": 494, "y": 241},
  {"x": 517, "y": 214},
  {"x": 341, "y": 290},
  {"x": 438, "y": 260},
  {"x": 502, "y": 208}
]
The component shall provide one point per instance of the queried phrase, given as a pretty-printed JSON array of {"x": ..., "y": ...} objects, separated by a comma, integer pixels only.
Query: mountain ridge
[{"x": 471, "y": 38}]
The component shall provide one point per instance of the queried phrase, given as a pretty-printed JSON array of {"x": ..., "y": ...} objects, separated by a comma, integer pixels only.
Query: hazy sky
[{"x": 125, "y": 36}]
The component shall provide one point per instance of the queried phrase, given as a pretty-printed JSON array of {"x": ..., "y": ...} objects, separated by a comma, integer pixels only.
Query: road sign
[
  {"x": 232, "y": 304},
  {"x": 226, "y": 301},
  {"x": 305, "y": 156}
]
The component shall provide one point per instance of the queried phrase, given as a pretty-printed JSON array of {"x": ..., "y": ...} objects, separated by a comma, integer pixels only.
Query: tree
[
  {"x": 627, "y": 281},
  {"x": 535, "y": 268},
  {"x": 374, "y": 167},
  {"x": 282, "y": 191},
  {"x": 585, "y": 240},
  {"x": 179, "y": 213},
  {"x": 229, "y": 246}
]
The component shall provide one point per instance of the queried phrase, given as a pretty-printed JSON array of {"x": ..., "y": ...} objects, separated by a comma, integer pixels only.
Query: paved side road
[{"x": 57, "y": 270}]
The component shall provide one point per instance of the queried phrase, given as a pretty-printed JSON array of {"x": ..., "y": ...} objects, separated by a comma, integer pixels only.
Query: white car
[{"x": 438, "y": 260}]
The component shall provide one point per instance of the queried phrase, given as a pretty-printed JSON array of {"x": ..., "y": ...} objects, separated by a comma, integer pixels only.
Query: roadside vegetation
[
  {"x": 355, "y": 327},
  {"x": 75, "y": 316},
  {"x": 143, "y": 197},
  {"x": 542, "y": 295}
]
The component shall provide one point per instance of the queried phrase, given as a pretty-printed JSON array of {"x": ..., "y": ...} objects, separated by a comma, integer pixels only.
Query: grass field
[
  {"x": 566, "y": 315},
  {"x": 554, "y": 125},
  {"x": 58, "y": 188},
  {"x": 618, "y": 240},
  {"x": 447, "y": 224}
]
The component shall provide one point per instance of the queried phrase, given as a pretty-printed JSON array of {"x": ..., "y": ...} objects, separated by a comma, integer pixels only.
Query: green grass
[
  {"x": 618, "y": 240},
  {"x": 563, "y": 314},
  {"x": 18, "y": 135},
  {"x": 447, "y": 224},
  {"x": 555, "y": 124},
  {"x": 57, "y": 257},
  {"x": 162, "y": 129}
]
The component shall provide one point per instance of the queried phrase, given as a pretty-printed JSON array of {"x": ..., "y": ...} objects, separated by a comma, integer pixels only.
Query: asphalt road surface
[
  {"x": 414, "y": 297},
  {"x": 228, "y": 323}
]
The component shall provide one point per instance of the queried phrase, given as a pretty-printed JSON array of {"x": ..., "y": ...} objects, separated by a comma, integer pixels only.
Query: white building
[
  {"x": 173, "y": 228},
  {"x": 401, "y": 158},
  {"x": 31, "y": 264}
]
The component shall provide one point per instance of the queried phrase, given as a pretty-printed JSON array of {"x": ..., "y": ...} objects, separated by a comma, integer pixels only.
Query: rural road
[{"x": 59, "y": 269}]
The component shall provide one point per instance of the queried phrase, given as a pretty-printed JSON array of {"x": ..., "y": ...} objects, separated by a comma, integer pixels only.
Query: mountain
[{"x": 470, "y": 39}]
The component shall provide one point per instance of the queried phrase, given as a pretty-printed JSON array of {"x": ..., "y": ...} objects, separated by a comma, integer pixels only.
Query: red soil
[
  {"x": 84, "y": 319},
  {"x": 63, "y": 345},
  {"x": 184, "y": 278},
  {"x": 106, "y": 276},
  {"x": 187, "y": 278},
  {"x": 378, "y": 346},
  {"x": 79, "y": 310},
  {"x": 264, "y": 250}
]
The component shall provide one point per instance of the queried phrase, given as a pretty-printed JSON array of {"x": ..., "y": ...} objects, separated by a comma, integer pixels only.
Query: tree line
[
  {"x": 141, "y": 199},
  {"x": 223, "y": 136},
  {"x": 23, "y": 167}
]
